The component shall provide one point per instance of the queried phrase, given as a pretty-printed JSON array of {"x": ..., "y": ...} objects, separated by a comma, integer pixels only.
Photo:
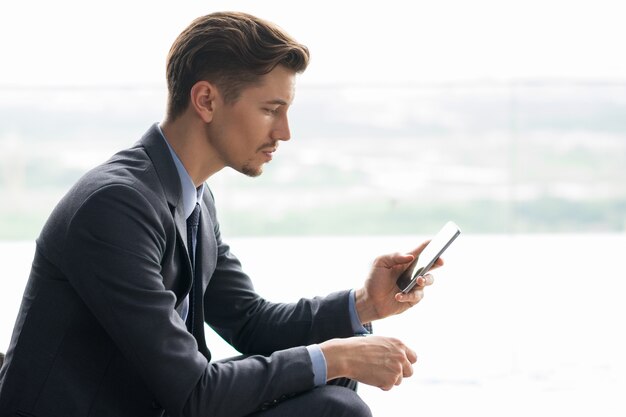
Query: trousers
[{"x": 336, "y": 399}]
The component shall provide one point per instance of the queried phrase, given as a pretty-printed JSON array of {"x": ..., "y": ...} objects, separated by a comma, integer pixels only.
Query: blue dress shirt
[{"x": 191, "y": 197}]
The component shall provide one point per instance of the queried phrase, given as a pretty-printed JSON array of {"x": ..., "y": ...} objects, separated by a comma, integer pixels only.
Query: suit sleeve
[
  {"x": 113, "y": 249},
  {"x": 254, "y": 325}
]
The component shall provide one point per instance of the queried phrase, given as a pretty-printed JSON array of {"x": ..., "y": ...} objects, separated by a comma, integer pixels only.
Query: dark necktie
[{"x": 192, "y": 234}]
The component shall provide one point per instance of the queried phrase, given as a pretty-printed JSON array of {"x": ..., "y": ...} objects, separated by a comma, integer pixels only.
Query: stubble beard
[
  {"x": 251, "y": 171},
  {"x": 254, "y": 171}
]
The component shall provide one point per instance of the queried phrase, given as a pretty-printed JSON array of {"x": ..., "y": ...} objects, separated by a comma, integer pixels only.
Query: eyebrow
[{"x": 277, "y": 101}]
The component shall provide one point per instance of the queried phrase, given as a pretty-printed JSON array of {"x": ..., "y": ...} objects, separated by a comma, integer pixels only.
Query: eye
[{"x": 271, "y": 111}]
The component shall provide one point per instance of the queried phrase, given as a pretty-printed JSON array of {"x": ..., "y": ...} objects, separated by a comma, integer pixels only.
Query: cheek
[
  {"x": 247, "y": 128},
  {"x": 254, "y": 129}
]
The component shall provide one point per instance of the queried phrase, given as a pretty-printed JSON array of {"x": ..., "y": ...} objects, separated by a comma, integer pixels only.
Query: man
[{"x": 131, "y": 264}]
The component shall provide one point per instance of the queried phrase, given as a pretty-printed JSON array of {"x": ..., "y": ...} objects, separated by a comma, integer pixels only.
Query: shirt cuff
[
  {"x": 357, "y": 327},
  {"x": 319, "y": 364}
]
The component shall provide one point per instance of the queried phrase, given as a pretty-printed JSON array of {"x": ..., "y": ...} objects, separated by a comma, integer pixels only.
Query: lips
[{"x": 269, "y": 152}]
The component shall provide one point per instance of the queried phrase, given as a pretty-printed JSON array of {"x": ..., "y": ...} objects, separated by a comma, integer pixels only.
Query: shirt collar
[{"x": 191, "y": 194}]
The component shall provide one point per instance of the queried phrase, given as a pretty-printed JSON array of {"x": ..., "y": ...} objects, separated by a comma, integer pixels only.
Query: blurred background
[{"x": 507, "y": 117}]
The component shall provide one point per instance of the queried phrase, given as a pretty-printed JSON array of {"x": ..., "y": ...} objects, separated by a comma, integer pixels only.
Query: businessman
[{"x": 131, "y": 265}]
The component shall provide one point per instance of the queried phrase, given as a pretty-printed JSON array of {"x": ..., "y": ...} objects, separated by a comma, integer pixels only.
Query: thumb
[{"x": 389, "y": 261}]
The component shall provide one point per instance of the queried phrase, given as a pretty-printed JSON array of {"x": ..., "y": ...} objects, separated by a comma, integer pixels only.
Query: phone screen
[{"x": 429, "y": 256}]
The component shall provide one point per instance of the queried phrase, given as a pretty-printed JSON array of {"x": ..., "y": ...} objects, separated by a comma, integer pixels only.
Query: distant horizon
[{"x": 501, "y": 158}]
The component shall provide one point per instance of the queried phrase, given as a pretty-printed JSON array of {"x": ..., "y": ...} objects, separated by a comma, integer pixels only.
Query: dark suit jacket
[{"x": 99, "y": 334}]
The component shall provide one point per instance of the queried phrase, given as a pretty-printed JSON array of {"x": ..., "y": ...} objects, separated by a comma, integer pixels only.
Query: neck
[{"x": 192, "y": 147}]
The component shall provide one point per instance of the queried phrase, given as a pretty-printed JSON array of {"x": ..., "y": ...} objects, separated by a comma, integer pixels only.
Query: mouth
[{"x": 269, "y": 153}]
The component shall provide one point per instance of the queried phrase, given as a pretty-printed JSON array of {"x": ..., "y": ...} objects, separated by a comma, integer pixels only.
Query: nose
[{"x": 281, "y": 131}]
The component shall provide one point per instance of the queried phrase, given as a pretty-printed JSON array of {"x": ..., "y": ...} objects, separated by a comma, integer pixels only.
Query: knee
[{"x": 344, "y": 402}]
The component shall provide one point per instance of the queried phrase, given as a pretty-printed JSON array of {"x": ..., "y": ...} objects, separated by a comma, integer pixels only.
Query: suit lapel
[
  {"x": 206, "y": 249},
  {"x": 181, "y": 228},
  {"x": 158, "y": 152},
  {"x": 163, "y": 164},
  {"x": 206, "y": 253},
  {"x": 205, "y": 265},
  {"x": 181, "y": 241}
]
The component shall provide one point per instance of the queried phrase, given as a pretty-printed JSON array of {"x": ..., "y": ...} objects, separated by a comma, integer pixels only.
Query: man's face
[{"x": 245, "y": 134}]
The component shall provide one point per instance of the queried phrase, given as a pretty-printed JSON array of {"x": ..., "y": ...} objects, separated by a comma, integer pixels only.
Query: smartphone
[{"x": 422, "y": 264}]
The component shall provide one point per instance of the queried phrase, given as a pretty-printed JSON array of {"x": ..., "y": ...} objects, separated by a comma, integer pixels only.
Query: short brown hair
[{"x": 232, "y": 50}]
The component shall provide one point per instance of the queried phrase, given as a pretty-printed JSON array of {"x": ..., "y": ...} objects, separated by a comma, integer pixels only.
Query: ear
[{"x": 203, "y": 100}]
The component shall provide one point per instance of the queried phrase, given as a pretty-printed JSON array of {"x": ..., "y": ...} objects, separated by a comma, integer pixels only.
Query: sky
[{"x": 120, "y": 42}]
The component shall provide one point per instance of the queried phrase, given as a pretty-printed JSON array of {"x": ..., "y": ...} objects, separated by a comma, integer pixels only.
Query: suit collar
[
  {"x": 158, "y": 152},
  {"x": 164, "y": 165},
  {"x": 190, "y": 194}
]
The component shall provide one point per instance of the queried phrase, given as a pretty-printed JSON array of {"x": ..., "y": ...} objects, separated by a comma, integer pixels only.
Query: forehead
[{"x": 276, "y": 86}]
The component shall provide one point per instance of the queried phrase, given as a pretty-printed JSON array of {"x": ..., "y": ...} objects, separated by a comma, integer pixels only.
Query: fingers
[
  {"x": 427, "y": 279},
  {"x": 398, "y": 381},
  {"x": 411, "y": 298},
  {"x": 417, "y": 293},
  {"x": 383, "y": 362},
  {"x": 394, "y": 259},
  {"x": 405, "y": 372},
  {"x": 406, "y": 369},
  {"x": 407, "y": 366},
  {"x": 410, "y": 355},
  {"x": 418, "y": 250},
  {"x": 402, "y": 258}
]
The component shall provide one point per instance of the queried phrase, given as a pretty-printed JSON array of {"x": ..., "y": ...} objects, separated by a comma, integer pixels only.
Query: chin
[{"x": 251, "y": 171}]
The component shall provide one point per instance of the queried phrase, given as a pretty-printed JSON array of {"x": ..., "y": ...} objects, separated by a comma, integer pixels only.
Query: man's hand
[
  {"x": 374, "y": 360},
  {"x": 381, "y": 297}
]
